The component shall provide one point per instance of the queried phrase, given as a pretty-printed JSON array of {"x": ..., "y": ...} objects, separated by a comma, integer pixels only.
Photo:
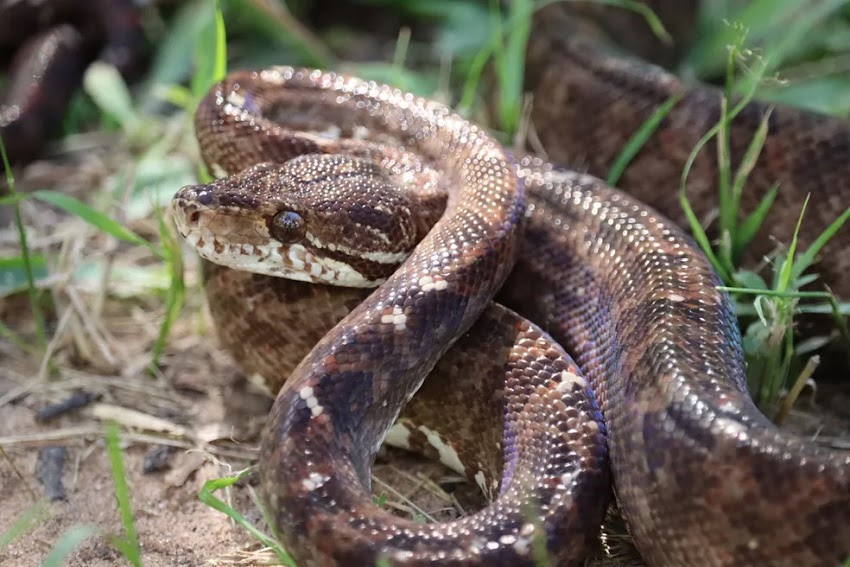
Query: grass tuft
[
  {"x": 127, "y": 545},
  {"x": 769, "y": 342},
  {"x": 208, "y": 497}
]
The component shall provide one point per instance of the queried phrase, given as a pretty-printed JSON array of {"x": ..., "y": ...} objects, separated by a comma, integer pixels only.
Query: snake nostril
[{"x": 194, "y": 216}]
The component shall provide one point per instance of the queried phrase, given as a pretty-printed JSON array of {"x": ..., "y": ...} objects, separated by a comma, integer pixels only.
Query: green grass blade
[
  {"x": 750, "y": 280},
  {"x": 220, "y": 68},
  {"x": 808, "y": 257},
  {"x": 837, "y": 310},
  {"x": 494, "y": 48},
  {"x": 786, "y": 273},
  {"x": 511, "y": 65},
  {"x": 130, "y": 541},
  {"x": 772, "y": 22},
  {"x": 176, "y": 293},
  {"x": 31, "y": 517},
  {"x": 843, "y": 309},
  {"x": 724, "y": 168},
  {"x": 13, "y": 199},
  {"x": 69, "y": 541},
  {"x": 789, "y": 39},
  {"x": 402, "y": 45},
  {"x": 18, "y": 341},
  {"x": 178, "y": 95},
  {"x": 37, "y": 315},
  {"x": 173, "y": 57},
  {"x": 210, "y": 63},
  {"x": 722, "y": 265},
  {"x": 498, "y": 44},
  {"x": 653, "y": 21},
  {"x": 207, "y": 497},
  {"x": 752, "y": 85},
  {"x": 702, "y": 238},
  {"x": 840, "y": 321},
  {"x": 14, "y": 272},
  {"x": 749, "y": 160},
  {"x": 100, "y": 221},
  {"x": 751, "y": 225},
  {"x": 805, "y": 280},
  {"x": 473, "y": 78},
  {"x": 728, "y": 214},
  {"x": 275, "y": 22},
  {"x": 208, "y": 51},
  {"x": 517, "y": 28},
  {"x": 639, "y": 139},
  {"x": 104, "y": 84},
  {"x": 776, "y": 292}
]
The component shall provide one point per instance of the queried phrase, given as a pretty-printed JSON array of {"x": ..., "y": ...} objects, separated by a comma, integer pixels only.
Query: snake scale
[{"x": 700, "y": 475}]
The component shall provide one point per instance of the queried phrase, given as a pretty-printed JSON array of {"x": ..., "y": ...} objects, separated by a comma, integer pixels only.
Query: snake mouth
[{"x": 238, "y": 238}]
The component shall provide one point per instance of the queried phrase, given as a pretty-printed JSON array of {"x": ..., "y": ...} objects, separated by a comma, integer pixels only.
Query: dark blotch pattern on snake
[{"x": 701, "y": 476}]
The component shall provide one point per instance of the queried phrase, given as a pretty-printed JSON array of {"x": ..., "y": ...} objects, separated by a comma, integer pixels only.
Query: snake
[
  {"x": 324, "y": 180},
  {"x": 609, "y": 324},
  {"x": 50, "y": 44}
]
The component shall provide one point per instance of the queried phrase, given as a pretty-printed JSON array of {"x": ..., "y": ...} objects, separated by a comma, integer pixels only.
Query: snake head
[{"x": 318, "y": 218}]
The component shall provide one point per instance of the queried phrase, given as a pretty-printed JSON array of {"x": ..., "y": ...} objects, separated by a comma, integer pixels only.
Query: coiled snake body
[{"x": 701, "y": 476}]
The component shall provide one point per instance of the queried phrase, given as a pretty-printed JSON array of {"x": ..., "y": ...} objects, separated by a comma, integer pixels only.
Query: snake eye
[{"x": 288, "y": 227}]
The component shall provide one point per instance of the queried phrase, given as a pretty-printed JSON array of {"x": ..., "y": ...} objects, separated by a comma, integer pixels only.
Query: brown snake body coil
[{"x": 701, "y": 476}]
